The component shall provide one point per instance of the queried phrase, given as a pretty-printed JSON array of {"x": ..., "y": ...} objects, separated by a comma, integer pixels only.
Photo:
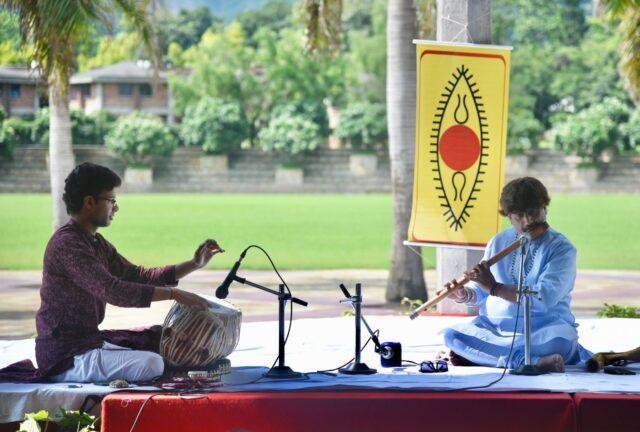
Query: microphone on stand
[
  {"x": 388, "y": 350},
  {"x": 223, "y": 290}
]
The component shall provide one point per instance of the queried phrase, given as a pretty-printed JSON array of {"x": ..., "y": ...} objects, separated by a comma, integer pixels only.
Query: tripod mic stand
[
  {"x": 281, "y": 371},
  {"x": 527, "y": 368},
  {"x": 357, "y": 367}
]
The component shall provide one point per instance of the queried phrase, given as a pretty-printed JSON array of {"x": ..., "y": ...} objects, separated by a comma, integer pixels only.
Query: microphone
[{"x": 223, "y": 290}]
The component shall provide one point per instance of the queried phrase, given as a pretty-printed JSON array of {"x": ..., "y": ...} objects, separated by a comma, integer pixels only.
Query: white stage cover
[{"x": 320, "y": 344}]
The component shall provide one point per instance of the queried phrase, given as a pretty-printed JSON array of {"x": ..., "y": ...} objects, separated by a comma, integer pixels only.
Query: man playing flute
[{"x": 549, "y": 269}]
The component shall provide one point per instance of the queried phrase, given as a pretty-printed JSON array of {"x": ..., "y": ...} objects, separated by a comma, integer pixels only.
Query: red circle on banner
[{"x": 459, "y": 147}]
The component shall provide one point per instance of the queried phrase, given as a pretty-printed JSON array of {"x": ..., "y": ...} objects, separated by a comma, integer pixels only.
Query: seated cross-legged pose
[
  {"x": 83, "y": 272},
  {"x": 550, "y": 269}
]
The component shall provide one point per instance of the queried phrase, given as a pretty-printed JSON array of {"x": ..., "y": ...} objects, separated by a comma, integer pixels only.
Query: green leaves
[
  {"x": 214, "y": 124},
  {"x": 363, "y": 125},
  {"x": 615, "y": 311},
  {"x": 67, "y": 421},
  {"x": 588, "y": 132},
  {"x": 137, "y": 138},
  {"x": 290, "y": 133}
]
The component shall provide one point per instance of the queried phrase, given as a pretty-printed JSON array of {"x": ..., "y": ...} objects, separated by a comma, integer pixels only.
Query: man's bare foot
[
  {"x": 551, "y": 363},
  {"x": 458, "y": 360}
]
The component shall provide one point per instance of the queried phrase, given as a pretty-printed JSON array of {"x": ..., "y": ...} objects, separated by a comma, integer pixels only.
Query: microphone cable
[
  {"x": 328, "y": 371},
  {"x": 290, "y": 308},
  {"x": 506, "y": 364}
]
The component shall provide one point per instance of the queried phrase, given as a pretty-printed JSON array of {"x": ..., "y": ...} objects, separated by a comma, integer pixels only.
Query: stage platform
[{"x": 397, "y": 398}]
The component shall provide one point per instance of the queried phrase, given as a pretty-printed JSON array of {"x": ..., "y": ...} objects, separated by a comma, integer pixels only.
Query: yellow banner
[{"x": 463, "y": 99}]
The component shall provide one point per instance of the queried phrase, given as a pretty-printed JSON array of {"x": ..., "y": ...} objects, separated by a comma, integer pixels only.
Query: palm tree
[
  {"x": 54, "y": 27},
  {"x": 406, "y": 278},
  {"x": 628, "y": 11}
]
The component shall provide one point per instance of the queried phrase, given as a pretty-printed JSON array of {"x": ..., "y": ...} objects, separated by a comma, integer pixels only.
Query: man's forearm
[
  {"x": 161, "y": 293},
  {"x": 507, "y": 292},
  {"x": 185, "y": 268}
]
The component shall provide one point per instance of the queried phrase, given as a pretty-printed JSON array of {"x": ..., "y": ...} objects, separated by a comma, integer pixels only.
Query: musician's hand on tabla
[
  {"x": 190, "y": 300},
  {"x": 205, "y": 252}
]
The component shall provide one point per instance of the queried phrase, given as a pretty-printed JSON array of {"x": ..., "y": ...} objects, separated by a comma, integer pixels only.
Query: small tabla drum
[{"x": 197, "y": 339}]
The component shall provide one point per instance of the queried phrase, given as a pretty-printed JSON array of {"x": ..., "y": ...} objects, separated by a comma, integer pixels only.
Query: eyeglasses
[
  {"x": 111, "y": 200},
  {"x": 534, "y": 213},
  {"x": 431, "y": 367}
]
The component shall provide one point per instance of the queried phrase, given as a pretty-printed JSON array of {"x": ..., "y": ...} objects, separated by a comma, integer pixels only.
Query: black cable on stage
[
  {"x": 376, "y": 333},
  {"x": 506, "y": 365}
]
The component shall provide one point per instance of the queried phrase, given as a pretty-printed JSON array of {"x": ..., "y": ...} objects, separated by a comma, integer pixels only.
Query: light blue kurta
[{"x": 550, "y": 269}]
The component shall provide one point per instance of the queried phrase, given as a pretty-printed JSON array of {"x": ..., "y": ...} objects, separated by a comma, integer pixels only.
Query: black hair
[
  {"x": 87, "y": 179},
  {"x": 523, "y": 195}
]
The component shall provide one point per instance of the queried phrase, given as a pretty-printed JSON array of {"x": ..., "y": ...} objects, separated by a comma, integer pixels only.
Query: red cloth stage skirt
[{"x": 341, "y": 411}]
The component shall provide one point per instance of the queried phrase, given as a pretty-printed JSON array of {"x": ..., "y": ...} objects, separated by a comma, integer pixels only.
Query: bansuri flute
[{"x": 532, "y": 232}]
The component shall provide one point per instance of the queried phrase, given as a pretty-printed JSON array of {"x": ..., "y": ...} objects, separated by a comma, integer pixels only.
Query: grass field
[{"x": 299, "y": 231}]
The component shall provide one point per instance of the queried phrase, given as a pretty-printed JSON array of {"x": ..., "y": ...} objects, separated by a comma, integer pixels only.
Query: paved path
[{"x": 20, "y": 299}]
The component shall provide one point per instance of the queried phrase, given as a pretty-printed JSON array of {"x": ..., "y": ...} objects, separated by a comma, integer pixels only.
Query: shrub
[
  {"x": 290, "y": 134},
  {"x": 632, "y": 130},
  {"x": 92, "y": 128},
  {"x": 588, "y": 132},
  {"x": 40, "y": 127},
  {"x": 214, "y": 124},
  {"x": 7, "y": 140},
  {"x": 363, "y": 125},
  {"x": 21, "y": 129},
  {"x": 137, "y": 138},
  {"x": 615, "y": 311},
  {"x": 85, "y": 129}
]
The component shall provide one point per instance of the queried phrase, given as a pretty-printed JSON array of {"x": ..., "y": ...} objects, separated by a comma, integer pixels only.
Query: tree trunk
[
  {"x": 61, "y": 158},
  {"x": 406, "y": 278}
]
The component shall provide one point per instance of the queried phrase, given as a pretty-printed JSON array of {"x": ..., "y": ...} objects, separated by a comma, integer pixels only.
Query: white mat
[{"x": 319, "y": 344}]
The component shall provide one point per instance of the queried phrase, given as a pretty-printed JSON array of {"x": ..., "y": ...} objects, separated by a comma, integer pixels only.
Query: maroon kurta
[{"x": 81, "y": 274}]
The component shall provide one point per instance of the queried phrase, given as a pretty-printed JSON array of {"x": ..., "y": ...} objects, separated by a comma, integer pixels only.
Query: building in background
[
  {"x": 121, "y": 89},
  {"x": 21, "y": 91}
]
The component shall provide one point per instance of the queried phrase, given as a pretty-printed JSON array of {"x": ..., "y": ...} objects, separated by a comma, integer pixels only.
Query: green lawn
[{"x": 299, "y": 231}]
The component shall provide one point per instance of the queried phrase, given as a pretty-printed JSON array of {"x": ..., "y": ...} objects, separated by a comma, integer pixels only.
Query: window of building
[
  {"x": 126, "y": 90},
  {"x": 14, "y": 91},
  {"x": 85, "y": 90},
  {"x": 146, "y": 90}
]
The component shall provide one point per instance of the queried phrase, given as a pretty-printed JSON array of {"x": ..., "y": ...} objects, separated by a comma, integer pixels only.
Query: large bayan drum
[{"x": 196, "y": 339}]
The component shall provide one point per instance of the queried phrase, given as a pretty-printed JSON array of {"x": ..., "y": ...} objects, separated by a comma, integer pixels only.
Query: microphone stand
[
  {"x": 281, "y": 371},
  {"x": 527, "y": 368},
  {"x": 357, "y": 367}
]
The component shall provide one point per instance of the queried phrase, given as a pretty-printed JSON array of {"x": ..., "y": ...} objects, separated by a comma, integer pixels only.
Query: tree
[
  {"x": 218, "y": 126},
  {"x": 222, "y": 67},
  {"x": 274, "y": 15},
  {"x": 628, "y": 11},
  {"x": 113, "y": 49},
  {"x": 406, "y": 278},
  {"x": 186, "y": 28},
  {"x": 592, "y": 130},
  {"x": 55, "y": 28}
]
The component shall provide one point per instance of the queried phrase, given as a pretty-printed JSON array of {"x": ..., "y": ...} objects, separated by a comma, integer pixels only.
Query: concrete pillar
[
  {"x": 460, "y": 21},
  {"x": 171, "y": 115},
  {"x": 36, "y": 100},
  {"x": 464, "y": 21},
  {"x": 100, "y": 95}
]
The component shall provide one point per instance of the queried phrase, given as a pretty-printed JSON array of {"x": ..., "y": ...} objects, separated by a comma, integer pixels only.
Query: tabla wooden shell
[{"x": 198, "y": 338}]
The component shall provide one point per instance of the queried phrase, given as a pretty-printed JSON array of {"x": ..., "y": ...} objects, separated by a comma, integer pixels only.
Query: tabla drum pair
[{"x": 194, "y": 339}]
